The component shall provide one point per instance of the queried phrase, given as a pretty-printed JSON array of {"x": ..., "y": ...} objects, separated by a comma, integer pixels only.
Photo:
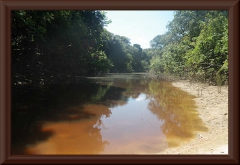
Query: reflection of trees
[
  {"x": 76, "y": 137},
  {"x": 177, "y": 109},
  {"x": 32, "y": 107},
  {"x": 63, "y": 103},
  {"x": 132, "y": 85}
]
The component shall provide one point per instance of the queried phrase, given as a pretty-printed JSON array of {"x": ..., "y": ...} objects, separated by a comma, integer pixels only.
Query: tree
[
  {"x": 52, "y": 44},
  {"x": 211, "y": 49},
  {"x": 196, "y": 42}
]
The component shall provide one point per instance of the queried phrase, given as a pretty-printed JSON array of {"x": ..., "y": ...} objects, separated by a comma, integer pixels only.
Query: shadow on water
[
  {"x": 32, "y": 108},
  {"x": 102, "y": 115}
]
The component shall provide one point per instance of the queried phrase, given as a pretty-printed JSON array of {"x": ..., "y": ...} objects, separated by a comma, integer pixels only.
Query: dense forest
[
  {"x": 195, "y": 47},
  {"x": 52, "y": 46}
]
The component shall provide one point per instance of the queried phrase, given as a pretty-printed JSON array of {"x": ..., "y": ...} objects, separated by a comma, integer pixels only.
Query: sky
[{"x": 139, "y": 26}]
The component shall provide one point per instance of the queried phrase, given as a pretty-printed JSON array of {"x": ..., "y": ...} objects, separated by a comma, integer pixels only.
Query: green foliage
[
  {"x": 100, "y": 63},
  {"x": 125, "y": 57},
  {"x": 211, "y": 49},
  {"x": 52, "y": 44},
  {"x": 198, "y": 46}
]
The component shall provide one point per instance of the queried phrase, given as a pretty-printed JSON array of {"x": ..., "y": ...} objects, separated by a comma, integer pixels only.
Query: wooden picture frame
[{"x": 5, "y": 79}]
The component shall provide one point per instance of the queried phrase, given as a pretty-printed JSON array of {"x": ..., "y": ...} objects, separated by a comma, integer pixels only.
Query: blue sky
[{"x": 139, "y": 26}]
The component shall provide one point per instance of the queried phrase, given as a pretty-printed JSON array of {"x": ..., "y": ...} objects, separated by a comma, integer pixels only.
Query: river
[{"x": 113, "y": 114}]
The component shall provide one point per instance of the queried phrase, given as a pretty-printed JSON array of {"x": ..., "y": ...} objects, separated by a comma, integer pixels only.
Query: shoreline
[{"x": 212, "y": 106}]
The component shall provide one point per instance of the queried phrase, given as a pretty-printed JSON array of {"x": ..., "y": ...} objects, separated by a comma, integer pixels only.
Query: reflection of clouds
[
  {"x": 141, "y": 97},
  {"x": 116, "y": 103},
  {"x": 133, "y": 129},
  {"x": 155, "y": 116}
]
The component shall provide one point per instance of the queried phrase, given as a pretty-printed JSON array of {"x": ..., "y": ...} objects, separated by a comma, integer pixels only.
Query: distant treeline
[{"x": 51, "y": 46}]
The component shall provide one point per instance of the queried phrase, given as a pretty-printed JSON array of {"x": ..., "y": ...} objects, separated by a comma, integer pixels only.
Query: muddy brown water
[{"x": 114, "y": 114}]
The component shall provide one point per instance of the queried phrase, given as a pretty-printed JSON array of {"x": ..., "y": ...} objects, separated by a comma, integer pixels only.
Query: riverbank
[{"x": 212, "y": 103}]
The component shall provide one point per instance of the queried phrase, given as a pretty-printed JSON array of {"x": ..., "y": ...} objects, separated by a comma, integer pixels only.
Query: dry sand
[{"x": 213, "y": 110}]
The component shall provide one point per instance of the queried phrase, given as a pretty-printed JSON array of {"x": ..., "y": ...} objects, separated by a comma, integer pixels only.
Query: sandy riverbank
[{"x": 213, "y": 110}]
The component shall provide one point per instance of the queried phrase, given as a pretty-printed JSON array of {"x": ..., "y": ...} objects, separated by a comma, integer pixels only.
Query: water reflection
[
  {"x": 76, "y": 136},
  {"x": 117, "y": 114},
  {"x": 177, "y": 109},
  {"x": 133, "y": 129},
  {"x": 32, "y": 110}
]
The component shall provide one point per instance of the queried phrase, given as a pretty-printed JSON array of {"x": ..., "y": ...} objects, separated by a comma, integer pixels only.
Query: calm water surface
[{"x": 114, "y": 114}]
